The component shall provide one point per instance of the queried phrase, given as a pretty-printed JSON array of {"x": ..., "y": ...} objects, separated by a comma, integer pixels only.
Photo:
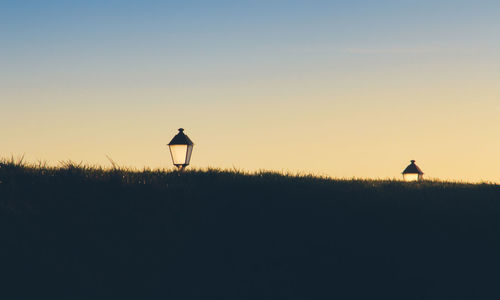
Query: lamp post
[
  {"x": 412, "y": 172},
  {"x": 181, "y": 148}
]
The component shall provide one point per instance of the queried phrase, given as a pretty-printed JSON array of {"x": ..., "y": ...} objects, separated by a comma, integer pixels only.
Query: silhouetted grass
[{"x": 80, "y": 232}]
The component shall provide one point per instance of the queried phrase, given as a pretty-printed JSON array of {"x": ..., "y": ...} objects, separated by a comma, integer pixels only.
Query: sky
[{"x": 338, "y": 88}]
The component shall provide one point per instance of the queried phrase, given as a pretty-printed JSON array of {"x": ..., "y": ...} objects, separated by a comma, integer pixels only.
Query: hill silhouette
[{"x": 79, "y": 232}]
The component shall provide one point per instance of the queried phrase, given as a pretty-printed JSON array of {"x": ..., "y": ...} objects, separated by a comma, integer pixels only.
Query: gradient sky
[{"x": 339, "y": 88}]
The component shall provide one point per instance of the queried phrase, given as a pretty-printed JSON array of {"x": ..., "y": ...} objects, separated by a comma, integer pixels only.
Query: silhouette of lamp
[
  {"x": 181, "y": 148},
  {"x": 412, "y": 172}
]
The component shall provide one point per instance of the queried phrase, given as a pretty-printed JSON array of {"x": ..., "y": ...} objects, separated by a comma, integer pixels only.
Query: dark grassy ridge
[{"x": 88, "y": 233}]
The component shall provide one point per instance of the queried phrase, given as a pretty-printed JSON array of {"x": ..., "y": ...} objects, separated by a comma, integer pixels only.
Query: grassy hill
[{"x": 88, "y": 233}]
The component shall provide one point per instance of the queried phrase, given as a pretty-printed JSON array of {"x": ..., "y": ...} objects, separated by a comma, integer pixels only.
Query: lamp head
[{"x": 181, "y": 148}]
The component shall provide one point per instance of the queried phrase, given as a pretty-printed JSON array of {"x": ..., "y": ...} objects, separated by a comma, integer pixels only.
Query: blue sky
[{"x": 198, "y": 36}]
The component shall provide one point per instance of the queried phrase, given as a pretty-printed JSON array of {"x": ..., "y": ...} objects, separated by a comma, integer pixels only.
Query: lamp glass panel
[
  {"x": 188, "y": 155},
  {"x": 178, "y": 153},
  {"x": 411, "y": 177}
]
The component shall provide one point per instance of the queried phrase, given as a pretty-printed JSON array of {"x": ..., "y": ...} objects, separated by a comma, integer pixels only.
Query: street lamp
[
  {"x": 412, "y": 172},
  {"x": 181, "y": 148}
]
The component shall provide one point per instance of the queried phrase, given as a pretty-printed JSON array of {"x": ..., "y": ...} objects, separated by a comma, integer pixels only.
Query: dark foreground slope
[{"x": 73, "y": 233}]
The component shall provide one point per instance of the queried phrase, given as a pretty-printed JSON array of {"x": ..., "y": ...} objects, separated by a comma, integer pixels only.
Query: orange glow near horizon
[{"x": 373, "y": 142}]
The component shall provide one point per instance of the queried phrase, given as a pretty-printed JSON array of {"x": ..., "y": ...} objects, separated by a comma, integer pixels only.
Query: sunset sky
[{"x": 338, "y": 88}]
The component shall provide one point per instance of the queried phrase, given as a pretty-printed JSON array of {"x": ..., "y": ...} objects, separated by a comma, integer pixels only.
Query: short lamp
[{"x": 412, "y": 172}]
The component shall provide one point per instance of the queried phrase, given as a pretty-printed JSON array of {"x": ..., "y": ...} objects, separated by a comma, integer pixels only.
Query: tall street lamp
[{"x": 181, "y": 148}]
